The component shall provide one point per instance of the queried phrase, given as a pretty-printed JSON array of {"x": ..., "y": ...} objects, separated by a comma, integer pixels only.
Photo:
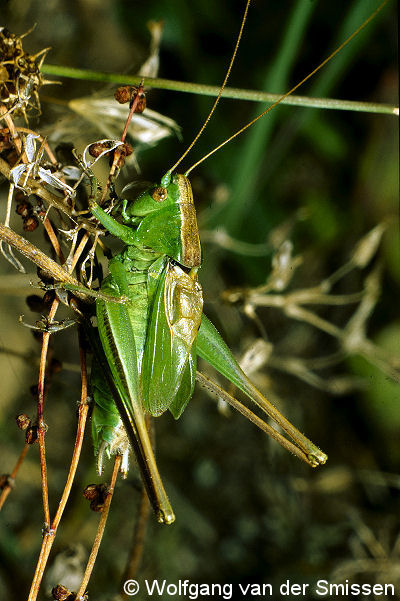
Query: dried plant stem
[
  {"x": 83, "y": 412},
  {"x": 53, "y": 238},
  {"x": 79, "y": 250},
  {"x": 49, "y": 536},
  {"x": 37, "y": 256},
  {"x": 304, "y": 296},
  {"x": 26, "y": 130},
  {"x": 40, "y": 409},
  {"x": 44, "y": 553},
  {"x": 100, "y": 531},
  {"x": 132, "y": 110},
  {"x": 301, "y": 314},
  {"x": 50, "y": 532},
  {"x": 13, "y": 131},
  {"x": 8, "y": 487},
  {"x": 117, "y": 152},
  {"x": 58, "y": 273}
]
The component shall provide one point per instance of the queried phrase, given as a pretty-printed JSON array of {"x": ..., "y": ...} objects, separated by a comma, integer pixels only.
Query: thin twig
[
  {"x": 83, "y": 412},
  {"x": 40, "y": 413},
  {"x": 53, "y": 238},
  {"x": 100, "y": 531},
  {"x": 14, "y": 134},
  {"x": 34, "y": 254},
  {"x": 118, "y": 152},
  {"x": 49, "y": 533},
  {"x": 8, "y": 487},
  {"x": 26, "y": 130},
  {"x": 49, "y": 536}
]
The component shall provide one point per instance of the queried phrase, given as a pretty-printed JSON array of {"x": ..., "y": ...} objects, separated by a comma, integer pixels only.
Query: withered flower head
[{"x": 20, "y": 76}]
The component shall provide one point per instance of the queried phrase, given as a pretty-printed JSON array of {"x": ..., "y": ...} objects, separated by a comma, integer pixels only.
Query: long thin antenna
[
  {"x": 338, "y": 49},
  {"x": 220, "y": 92}
]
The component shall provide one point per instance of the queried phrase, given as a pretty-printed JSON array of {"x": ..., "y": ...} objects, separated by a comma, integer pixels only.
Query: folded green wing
[
  {"x": 174, "y": 321},
  {"x": 186, "y": 388}
]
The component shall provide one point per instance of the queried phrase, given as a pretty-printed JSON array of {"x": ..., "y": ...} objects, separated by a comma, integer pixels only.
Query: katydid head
[
  {"x": 166, "y": 220},
  {"x": 154, "y": 199}
]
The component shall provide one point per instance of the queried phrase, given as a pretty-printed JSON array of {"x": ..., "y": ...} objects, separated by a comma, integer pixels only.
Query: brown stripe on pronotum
[{"x": 191, "y": 251}]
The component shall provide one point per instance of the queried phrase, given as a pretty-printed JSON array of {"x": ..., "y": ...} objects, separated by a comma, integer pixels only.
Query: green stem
[{"x": 207, "y": 90}]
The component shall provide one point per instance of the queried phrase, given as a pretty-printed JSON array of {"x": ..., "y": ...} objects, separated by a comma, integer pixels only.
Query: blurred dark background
[{"x": 246, "y": 510}]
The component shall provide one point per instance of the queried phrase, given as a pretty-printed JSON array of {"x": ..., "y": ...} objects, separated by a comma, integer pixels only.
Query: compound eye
[{"x": 159, "y": 194}]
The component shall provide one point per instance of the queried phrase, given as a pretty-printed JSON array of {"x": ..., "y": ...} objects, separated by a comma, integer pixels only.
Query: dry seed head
[
  {"x": 90, "y": 493},
  {"x": 126, "y": 149},
  {"x": 141, "y": 105},
  {"x": 62, "y": 593},
  {"x": 24, "y": 208},
  {"x": 5, "y": 139},
  {"x": 97, "y": 148},
  {"x": 31, "y": 435},
  {"x": 126, "y": 94},
  {"x": 366, "y": 248},
  {"x": 30, "y": 223},
  {"x": 20, "y": 76},
  {"x": 6, "y": 480},
  {"x": 123, "y": 151},
  {"x": 23, "y": 421},
  {"x": 123, "y": 94},
  {"x": 96, "y": 494}
]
